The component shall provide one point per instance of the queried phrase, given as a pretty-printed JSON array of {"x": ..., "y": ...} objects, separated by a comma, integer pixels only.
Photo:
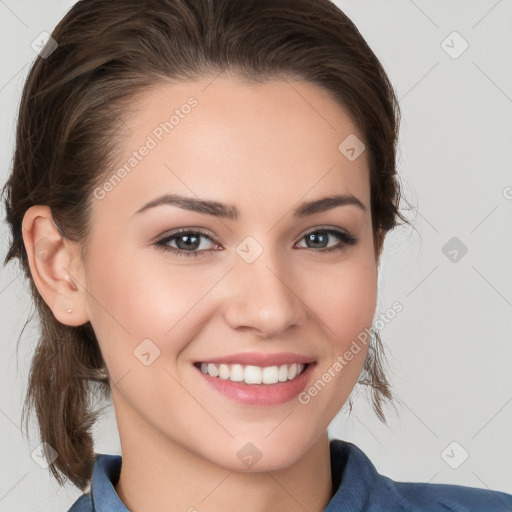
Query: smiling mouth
[{"x": 250, "y": 374}]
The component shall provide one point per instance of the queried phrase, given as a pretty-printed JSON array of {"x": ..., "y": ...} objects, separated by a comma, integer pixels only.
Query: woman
[{"x": 199, "y": 199}]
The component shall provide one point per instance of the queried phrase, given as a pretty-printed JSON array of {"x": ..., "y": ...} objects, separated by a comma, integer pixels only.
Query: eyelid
[
  {"x": 325, "y": 228},
  {"x": 185, "y": 229}
]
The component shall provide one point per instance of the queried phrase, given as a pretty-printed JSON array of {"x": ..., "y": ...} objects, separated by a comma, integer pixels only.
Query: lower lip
[{"x": 260, "y": 394}]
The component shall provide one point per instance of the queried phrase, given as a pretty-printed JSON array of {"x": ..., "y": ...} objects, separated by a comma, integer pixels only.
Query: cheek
[
  {"x": 132, "y": 302},
  {"x": 343, "y": 296}
]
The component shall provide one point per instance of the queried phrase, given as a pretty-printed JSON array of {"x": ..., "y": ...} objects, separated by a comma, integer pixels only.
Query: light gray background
[{"x": 450, "y": 349}]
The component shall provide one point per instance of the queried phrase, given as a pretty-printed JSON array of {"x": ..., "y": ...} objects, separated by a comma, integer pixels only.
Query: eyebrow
[{"x": 231, "y": 212}]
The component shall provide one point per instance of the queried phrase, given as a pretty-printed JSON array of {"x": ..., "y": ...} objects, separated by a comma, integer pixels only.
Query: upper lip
[{"x": 259, "y": 359}]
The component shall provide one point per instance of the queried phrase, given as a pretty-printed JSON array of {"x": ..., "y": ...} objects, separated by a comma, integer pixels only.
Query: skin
[{"x": 264, "y": 148}]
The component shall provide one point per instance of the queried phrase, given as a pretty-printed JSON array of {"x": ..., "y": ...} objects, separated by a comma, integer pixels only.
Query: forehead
[{"x": 250, "y": 144}]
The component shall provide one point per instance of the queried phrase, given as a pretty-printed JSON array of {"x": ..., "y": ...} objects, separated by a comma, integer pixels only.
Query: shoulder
[
  {"x": 367, "y": 490},
  {"x": 459, "y": 498},
  {"x": 82, "y": 504}
]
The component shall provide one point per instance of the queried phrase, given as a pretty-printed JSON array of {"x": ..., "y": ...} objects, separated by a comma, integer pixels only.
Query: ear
[{"x": 50, "y": 257}]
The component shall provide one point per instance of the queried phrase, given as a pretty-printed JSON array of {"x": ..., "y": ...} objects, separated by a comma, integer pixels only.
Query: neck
[{"x": 158, "y": 475}]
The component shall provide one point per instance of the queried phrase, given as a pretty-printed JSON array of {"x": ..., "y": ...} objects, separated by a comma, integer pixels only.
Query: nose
[{"x": 262, "y": 297}]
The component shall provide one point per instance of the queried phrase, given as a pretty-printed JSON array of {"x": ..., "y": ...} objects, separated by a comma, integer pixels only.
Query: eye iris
[
  {"x": 317, "y": 238},
  {"x": 190, "y": 242}
]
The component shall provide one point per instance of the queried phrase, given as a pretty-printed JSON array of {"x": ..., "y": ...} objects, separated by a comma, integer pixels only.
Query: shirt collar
[
  {"x": 105, "y": 476},
  {"x": 355, "y": 480}
]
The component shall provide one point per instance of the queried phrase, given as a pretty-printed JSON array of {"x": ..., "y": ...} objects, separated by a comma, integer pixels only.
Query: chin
[{"x": 260, "y": 454}]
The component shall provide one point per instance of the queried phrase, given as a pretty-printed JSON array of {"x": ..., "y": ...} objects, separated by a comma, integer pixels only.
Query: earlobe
[{"x": 49, "y": 260}]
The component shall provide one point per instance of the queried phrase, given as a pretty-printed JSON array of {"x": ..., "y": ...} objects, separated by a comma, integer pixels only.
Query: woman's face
[{"x": 253, "y": 284}]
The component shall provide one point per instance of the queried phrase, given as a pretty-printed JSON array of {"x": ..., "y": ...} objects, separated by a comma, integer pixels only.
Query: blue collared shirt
[{"x": 358, "y": 488}]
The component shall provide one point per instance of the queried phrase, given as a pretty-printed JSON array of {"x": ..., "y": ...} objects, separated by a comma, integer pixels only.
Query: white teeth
[
  {"x": 237, "y": 373},
  {"x": 270, "y": 375},
  {"x": 213, "y": 370},
  {"x": 224, "y": 371},
  {"x": 253, "y": 374},
  {"x": 283, "y": 373}
]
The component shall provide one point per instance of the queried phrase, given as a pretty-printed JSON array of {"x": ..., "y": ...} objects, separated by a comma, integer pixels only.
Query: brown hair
[{"x": 67, "y": 135}]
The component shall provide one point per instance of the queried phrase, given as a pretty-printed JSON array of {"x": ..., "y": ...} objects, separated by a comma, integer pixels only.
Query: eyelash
[{"x": 345, "y": 239}]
